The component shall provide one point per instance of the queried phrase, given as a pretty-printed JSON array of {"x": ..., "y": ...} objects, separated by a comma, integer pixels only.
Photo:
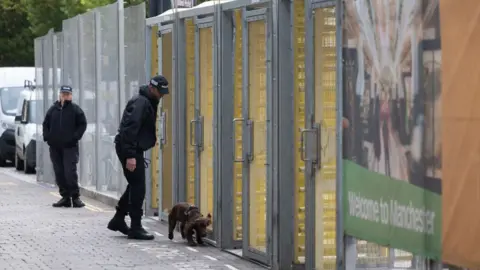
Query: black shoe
[
  {"x": 117, "y": 223},
  {"x": 138, "y": 232},
  {"x": 77, "y": 203},
  {"x": 63, "y": 202}
]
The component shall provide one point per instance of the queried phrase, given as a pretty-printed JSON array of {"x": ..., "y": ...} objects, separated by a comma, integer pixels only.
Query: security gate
[
  {"x": 165, "y": 112},
  {"x": 256, "y": 133},
  {"x": 318, "y": 138},
  {"x": 202, "y": 126}
]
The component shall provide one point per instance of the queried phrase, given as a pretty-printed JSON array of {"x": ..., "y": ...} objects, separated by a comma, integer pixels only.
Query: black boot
[
  {"x": 77, "y": 203},
  {"x": 117, "y": 223},
  {"x": 63, "y": 202},
  {"x": 138, "y": 232}
]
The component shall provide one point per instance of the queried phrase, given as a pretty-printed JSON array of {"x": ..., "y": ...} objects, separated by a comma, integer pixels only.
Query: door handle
[
  {"x": 192, "y": 138},
  {"x": 200, "y": 132},
  {"x": 235, "y": 159},
  {"x": 318, "y": 146},
  {"x": 250, "y": 155},
  {"x": 303, "y": 156},
  {"x": 164, "y": 128}
]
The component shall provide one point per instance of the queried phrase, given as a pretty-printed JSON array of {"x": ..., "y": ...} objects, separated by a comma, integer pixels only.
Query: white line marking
[
  {"x": 7, "y": 184},
  {"x": 210, "y": 258},
  {"x": 175, "y": 241},
  {"x": 146, "y": 228},
  {"x": 230, "y": 267},
  {"x": 55, "y": 195},
  {"x": 159, "y": 234},
  {"x": 192, "y": 249},
  {"x": 90, "y": 208}
]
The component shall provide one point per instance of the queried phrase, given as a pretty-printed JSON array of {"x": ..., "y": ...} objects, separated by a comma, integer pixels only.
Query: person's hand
[
  {"x": 131, "y": 164},
  {"x": 345, "y": 123}
]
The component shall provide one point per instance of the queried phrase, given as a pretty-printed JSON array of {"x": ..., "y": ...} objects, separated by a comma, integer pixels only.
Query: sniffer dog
[{"x": 190, "y": 220}]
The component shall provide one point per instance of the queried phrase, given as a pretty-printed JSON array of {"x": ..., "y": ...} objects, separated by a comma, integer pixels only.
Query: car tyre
[
  {"x": 27, "y": 169},
  {"x": 18, "y": 163}
]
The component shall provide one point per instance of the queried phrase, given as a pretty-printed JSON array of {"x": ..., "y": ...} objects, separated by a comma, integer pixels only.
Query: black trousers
[
  {"x": 132, "y": 199},
  {"x": 65, "y": 162}
]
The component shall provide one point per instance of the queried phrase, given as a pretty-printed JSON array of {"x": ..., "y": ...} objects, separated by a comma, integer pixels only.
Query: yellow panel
[
  {"x": 257, "y": 113},
  {"x": 190, "y": 110},
  {"x": 325, "y": 113},
  {"x": 167, "y": 157},
  {"x": 237, "y": 177},
  {"x": 299, "y": 110},
  {"x": 206, "y": 110},
  {"x": 155, "y": 150}
]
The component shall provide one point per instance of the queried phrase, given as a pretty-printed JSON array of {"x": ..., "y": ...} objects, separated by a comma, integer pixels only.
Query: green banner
[{"x": 391, "y": 212}]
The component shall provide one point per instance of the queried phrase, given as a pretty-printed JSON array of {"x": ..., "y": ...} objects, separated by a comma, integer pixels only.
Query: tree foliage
[
  {"x": 16, "y": 40},
  {"x": 24, "y": 20}
]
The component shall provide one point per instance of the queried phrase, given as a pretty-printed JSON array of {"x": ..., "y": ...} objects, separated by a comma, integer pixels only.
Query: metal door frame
[
  {"x": 198, "y": 125},
  {"x": 312, "y": 126},
  {"x": 162, "y": 29},
  {"x": 227, "y": 128},
  {"x": 251, "y": 16}
]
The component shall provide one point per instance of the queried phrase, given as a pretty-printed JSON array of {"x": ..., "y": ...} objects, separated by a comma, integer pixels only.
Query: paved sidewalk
[{"x": 36, "y": 236}]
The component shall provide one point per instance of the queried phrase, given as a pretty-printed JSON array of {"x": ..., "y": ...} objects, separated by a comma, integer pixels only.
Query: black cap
[
  {"x": 160, "y": 83},
  {"x": 66, "y": 88}
]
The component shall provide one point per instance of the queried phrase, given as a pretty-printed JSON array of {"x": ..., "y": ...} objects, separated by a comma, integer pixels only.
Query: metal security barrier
[
  {"x": 101, "y": 54},
  {"x": 252, "y": 132}
]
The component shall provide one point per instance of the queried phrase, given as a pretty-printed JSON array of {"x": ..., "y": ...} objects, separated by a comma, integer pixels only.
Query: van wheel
[
  {"x": 18, "y": 163},
  {"x": 3, "y": 162},
  {"x": 27, "y": 169}
]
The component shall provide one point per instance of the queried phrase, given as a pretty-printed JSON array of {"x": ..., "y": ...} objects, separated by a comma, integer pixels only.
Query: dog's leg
[
  {"x": 182, "y": 229},
  {"x": 199, "y": 239},
  {"x": 189, "y": 235},
  {"x": 172, "y": 222}
]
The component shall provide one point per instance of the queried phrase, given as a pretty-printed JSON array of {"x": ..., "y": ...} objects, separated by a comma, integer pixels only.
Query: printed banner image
[{"x": 392, "y": 147}]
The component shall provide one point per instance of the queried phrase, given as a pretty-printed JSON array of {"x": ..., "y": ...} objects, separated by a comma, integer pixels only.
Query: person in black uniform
[
  {"x": 136, "y": 134},
  {"x": 63, "y": 126}
]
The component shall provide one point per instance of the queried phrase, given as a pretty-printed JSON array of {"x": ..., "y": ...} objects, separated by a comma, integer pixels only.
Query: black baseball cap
[
  {"x": 66, "y": 89},
  {"x": 160, "y": 83}
]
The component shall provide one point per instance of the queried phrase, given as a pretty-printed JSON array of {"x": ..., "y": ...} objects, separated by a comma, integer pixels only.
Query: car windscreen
[{"x": 9, "y": 97}]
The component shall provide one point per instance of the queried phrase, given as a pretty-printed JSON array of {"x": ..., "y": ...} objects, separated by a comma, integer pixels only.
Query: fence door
[
  {"x": 319, "y": 150},
  {"x": 257, "y": 134},
  {"x": 165, "y": 111},
  {"x": 204, "y": 118}
]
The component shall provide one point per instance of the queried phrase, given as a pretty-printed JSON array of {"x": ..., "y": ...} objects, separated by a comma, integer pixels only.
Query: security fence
[
  {"x": 101, "y": 54},
  {"x": 253, "y": 129}
]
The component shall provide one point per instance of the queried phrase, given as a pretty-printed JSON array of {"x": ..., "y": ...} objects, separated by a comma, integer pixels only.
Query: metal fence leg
[
  {"x": 98, "y": 79},
  {"x": 121, "y": 71}
]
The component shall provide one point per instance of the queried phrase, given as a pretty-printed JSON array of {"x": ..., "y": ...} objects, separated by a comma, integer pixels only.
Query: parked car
[
  {"x": 26, "y": 135},
  {"x": 12, "y": 83}
]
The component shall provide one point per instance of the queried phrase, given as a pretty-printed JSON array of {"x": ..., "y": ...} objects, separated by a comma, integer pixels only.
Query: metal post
[
  {"x": 54, "y": 64},
  {"x": 340, "y": 246},
  {"x": 121, "y": 55},
  {"x": 152, "y": 8},
  {"x": 148, "y": 71},
  {"x": 163, "y": 6},
  {"x": 80, "y": 58},
  {"x": 80, "y": 92},
  {"x": 121, "y": 63},
  {"x": 98, "y": 79}
]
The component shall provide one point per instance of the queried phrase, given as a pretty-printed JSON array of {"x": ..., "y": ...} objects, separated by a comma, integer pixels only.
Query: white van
[
  {"x": 12, "y": 83},
  {"x": 26, "y": 135}
]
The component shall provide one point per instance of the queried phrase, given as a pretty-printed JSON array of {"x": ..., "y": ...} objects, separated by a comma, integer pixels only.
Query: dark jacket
[
  {"x": 136, "y": 133},
  {"x": 64, "y": 126}
]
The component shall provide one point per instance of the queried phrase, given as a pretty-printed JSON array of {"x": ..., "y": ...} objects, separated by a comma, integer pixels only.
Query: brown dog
[{"x": 190, "y": 220}]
